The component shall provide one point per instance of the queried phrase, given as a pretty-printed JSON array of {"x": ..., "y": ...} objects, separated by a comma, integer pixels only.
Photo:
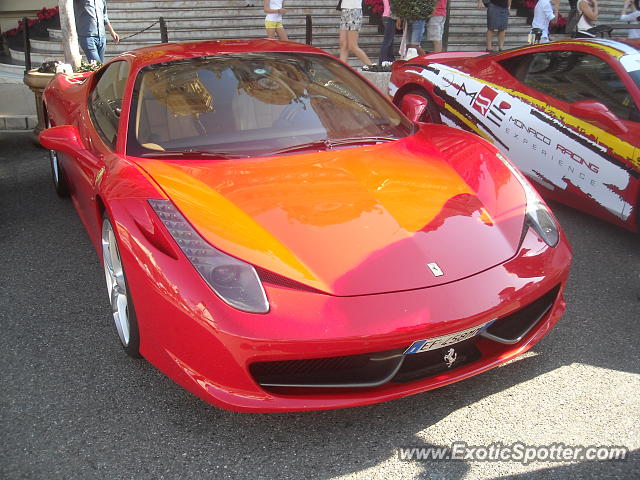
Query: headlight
[
  {"x": 234, "y": 281},
  {"x": 537, "y": 214}
]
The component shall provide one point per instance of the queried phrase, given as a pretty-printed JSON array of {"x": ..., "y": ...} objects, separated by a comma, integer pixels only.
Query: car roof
[
  {"x": 166, "y": 52},
  {"x": 624, "y": 45}
]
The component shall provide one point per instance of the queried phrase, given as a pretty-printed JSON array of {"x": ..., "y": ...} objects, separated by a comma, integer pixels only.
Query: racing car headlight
[
  {"x": 537, "y": 214},
  {"x": 234, "y": 281}
]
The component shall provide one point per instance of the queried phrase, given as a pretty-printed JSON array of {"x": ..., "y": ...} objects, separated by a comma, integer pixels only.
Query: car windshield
[{"x": 256, "y": 104}]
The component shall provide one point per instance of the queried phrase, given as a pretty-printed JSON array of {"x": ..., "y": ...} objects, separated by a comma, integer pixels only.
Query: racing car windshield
[{"x": 256, "y": 103}]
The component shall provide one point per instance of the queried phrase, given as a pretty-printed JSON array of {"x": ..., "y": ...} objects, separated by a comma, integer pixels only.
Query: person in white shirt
[
  {"x": 543, "y": 14},
  {"x": 350, "y": 24},
  {"x": 273, "y": 20},
  {"x": 588, "y": 11},
  {"x": 633, "y": 17}
]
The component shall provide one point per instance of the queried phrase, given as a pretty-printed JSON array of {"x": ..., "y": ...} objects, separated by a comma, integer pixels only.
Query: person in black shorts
[{"x": 497, "y": 20}]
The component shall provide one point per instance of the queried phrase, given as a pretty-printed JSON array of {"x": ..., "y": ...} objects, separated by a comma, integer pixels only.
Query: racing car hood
[{"x": 359, "y": 220}]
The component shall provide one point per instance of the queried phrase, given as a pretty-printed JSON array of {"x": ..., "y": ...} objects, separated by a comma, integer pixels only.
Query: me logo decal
[
  {"x": 554, "y": 149},
  {"x": 484, "y": 99},
  {"x": 497, "y": 112}
]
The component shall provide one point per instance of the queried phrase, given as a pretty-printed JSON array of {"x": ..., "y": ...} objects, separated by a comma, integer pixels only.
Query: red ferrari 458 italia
[
  {"x": 566, "y": 113},
  {"x": 276, "y": 235}
]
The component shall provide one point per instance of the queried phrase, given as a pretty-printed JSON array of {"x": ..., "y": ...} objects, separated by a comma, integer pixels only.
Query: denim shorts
[
  {"x": 497, "y": 18},
  {"x": 416, "y": 31}
]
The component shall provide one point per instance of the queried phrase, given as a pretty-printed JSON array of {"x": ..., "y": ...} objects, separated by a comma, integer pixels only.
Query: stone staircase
[
  {"x": 231, "y": 19},
  {"x": 610, "y": 15},
  {"x": 468, "y": 27},
  {"x": 210, "y": 20},
  {"x": 468, "y": 24}
]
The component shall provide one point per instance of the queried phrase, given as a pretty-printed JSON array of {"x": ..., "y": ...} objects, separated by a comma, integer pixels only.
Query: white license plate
[{"x": 420, "y": 346}]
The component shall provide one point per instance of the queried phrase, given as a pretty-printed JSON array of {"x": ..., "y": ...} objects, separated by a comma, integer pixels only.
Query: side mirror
[
  {"x": 414, "y": 106},
  {"x": 64, "y": 138},
  {"x": 598, "y": 112}
]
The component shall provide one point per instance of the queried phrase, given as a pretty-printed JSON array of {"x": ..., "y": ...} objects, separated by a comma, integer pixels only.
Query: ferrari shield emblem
[{"x": 435, "y": 269}]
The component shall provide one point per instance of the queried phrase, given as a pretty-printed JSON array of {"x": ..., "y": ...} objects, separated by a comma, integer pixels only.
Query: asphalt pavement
[{"x": 73, "y": 405}]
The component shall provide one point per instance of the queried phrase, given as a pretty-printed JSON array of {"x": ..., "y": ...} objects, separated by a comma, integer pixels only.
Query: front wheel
[
  {"x": 431, "y": 114},
  {"x": 122, "y": 309}
]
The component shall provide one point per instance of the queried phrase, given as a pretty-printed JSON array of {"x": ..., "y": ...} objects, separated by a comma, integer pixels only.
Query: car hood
[{"x": 359, "y": 220}]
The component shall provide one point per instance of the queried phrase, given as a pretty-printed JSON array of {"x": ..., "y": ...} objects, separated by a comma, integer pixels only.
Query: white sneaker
[
  {"x": 386, "y": 63},
  {"x": 411, "y": 53}
]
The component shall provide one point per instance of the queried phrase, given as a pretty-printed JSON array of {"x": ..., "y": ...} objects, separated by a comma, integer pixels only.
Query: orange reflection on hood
[{"x": 314, "y": 217}]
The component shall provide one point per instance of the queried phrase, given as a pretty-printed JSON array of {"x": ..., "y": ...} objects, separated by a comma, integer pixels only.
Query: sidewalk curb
[{"x": 17, "y": 123}]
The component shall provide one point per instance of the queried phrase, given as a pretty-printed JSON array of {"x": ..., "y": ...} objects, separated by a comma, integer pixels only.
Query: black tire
[
  {"x": 432, "y": 114},
  {"x": 60, "y": 184},
  {"x": 128, "y": 334}
]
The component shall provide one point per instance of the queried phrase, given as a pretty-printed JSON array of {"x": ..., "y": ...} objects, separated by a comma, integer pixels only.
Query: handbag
[{"x": 339, "y": 6}]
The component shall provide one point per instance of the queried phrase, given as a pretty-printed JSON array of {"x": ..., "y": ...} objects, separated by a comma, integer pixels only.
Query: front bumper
[{"x": 212, "y": 349}]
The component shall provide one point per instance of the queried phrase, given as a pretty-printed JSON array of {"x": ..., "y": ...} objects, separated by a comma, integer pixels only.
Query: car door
[
  {"x": 578, "y": 133},
  {"x": 98, "y": 127}
]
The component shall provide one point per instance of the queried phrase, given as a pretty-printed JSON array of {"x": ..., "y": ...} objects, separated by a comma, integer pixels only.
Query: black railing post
[
  {"x": 164, "y": 35},
  {"x": 445, "y": 36},
  {"x": 27, "y": 44},
  {"x": 309, "y": 32}
]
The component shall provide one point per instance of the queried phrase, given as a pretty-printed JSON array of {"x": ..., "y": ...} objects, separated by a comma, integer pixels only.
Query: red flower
[
  {"x": 44, "y": 14},
  {"x": 376, "y": 6}
]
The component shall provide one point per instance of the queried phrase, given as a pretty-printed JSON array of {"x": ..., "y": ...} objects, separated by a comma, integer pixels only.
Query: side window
[
  {"x": 575, "y": 76},
  {"x": 517, "y": 66},
  {"x": 105, "y": 100}
]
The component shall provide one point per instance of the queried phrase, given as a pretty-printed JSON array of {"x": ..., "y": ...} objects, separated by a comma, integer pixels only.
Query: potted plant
[{"x": 412, "y": 9}]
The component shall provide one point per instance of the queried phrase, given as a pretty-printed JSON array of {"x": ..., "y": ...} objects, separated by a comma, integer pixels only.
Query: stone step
[
  {"x": 463, "y": 10},
  {"x": 480, "y": 34},
  {"x": 38, "y": 56},
  {"x": 115, "y": 5},
  {"x": 13, "y": 72},
  {"x": 479, "y": 47},
  {"x": 153, "y": 35},
  {"x": 467, "y": 20},
  {"x": 131, "y": 25},
  {"x": 325, "y": 43},
  {"x": 153, "y": 14}
]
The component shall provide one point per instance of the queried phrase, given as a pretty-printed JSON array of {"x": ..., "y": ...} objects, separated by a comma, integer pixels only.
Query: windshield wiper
[
  {"x": 194, "y": 153},
  {"x": 329, "y": 143},
  {"x": 316, "y": 144},
  {"x": 356, "y": 140}
]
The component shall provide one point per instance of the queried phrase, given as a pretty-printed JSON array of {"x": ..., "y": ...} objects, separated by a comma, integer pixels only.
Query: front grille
[
  {"x": 365, "y": 370},
  {"x": 378, "y": 368},
  {"x": 428, "y": 364},
  {"x": 512, "y": 328}
]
